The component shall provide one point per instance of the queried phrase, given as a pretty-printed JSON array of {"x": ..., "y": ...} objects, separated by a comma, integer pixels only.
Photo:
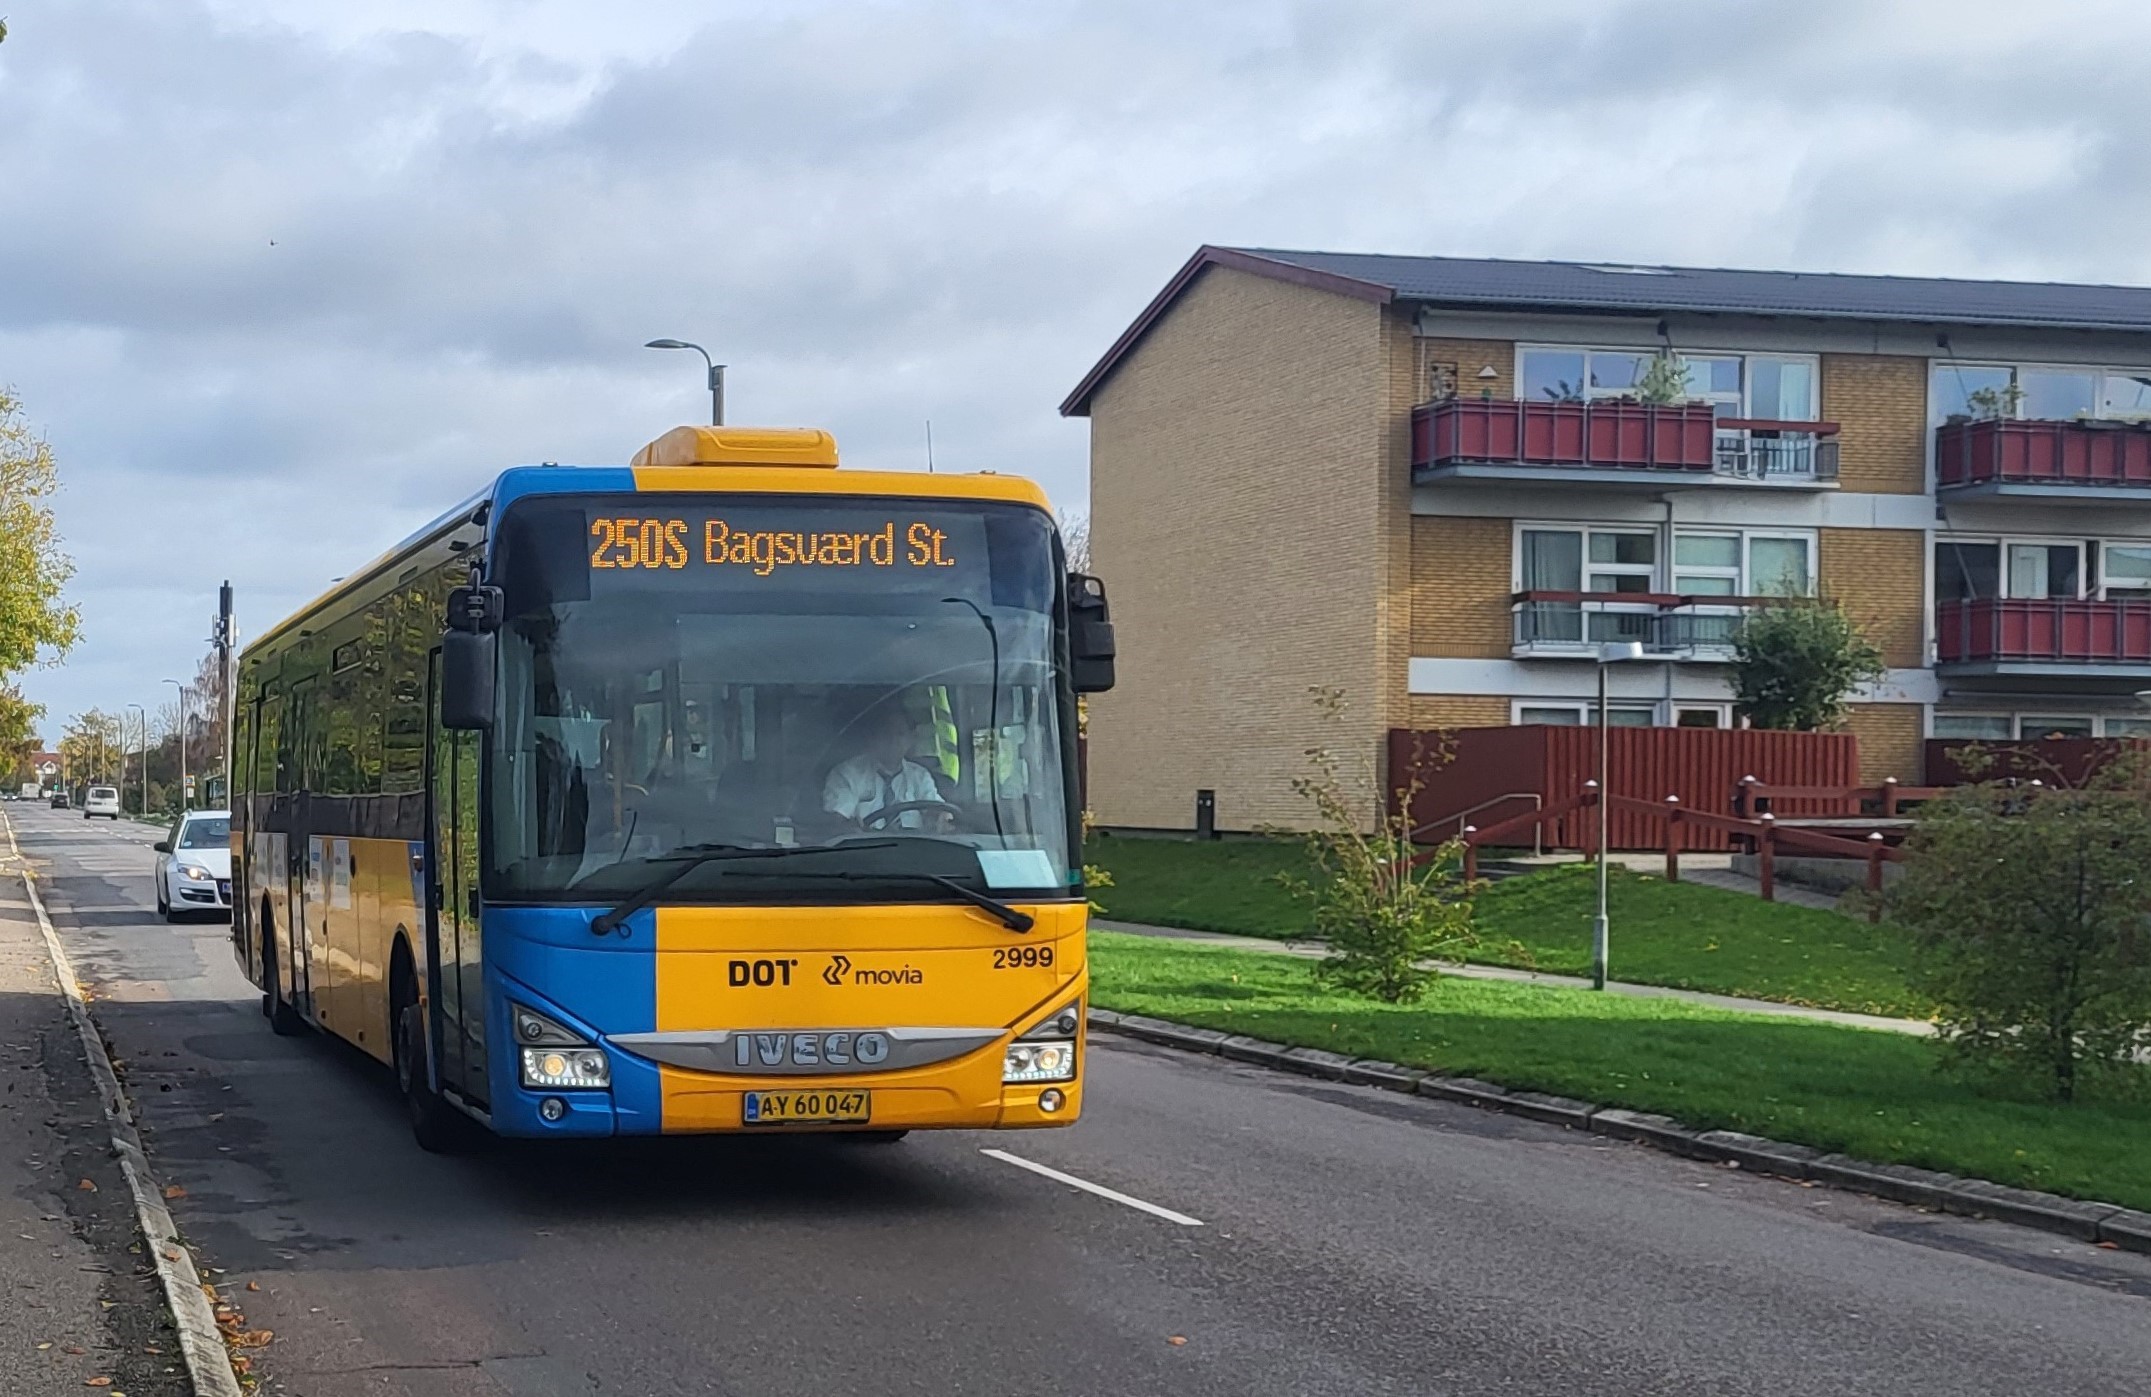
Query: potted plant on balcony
[{"x": 1654, "y": 424}]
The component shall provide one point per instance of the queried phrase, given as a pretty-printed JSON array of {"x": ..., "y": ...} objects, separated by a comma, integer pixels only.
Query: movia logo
[{"x": 837, "y": 969}]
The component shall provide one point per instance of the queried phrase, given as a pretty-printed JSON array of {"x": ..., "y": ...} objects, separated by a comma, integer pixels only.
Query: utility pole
[
  {"x": 227, "y": 636},
  {"x": 182, "y": 742},
  {"x": 143, "y": 733}
]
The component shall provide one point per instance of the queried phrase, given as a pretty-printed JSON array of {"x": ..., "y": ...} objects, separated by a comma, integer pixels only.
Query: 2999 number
[{"x": 1022, "y": 957}]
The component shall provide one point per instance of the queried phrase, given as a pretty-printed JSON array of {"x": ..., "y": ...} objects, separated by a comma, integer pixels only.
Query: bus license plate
[{"x": 805, "y": 1108}]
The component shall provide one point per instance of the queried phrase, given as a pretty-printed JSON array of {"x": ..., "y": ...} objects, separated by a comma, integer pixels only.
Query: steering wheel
[{"x": 879, "y": 819}]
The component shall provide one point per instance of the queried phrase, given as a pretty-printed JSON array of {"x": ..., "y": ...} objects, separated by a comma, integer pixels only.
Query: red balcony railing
[
  {"x": 2115, "y": 455},
  {"x": 1616, "y": 435},
  {"x": 2032, "y": 631}
]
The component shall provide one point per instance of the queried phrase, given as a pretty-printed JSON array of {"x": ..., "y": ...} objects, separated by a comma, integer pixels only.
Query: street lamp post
[
  {"x": 716, "y": 375},
  {"x": 144, "y": 731},
  {"x": 1610, "y": 654},
  {"x": 182, "y": 742}
]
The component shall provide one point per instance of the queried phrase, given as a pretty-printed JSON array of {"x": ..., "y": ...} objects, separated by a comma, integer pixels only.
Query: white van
[{"x": 102, "y": 800}]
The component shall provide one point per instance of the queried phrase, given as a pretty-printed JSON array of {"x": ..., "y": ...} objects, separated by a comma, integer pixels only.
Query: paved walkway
[{"x": 1733, "y": 1003}]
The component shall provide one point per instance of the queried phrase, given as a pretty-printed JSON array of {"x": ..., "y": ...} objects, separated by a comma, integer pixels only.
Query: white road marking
[{"x": 1088, "y": 1187}]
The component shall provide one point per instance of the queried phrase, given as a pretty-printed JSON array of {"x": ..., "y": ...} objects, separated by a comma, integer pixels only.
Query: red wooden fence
[
  {"x": 2063, "y": 761},
  {"x": 1494, "y": 773}
]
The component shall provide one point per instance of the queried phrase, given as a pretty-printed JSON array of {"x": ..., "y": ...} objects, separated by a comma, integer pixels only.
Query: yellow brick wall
[
  {"x": 1460, "y": 588},
  {"x": 1466, "y": 358},
  {"x": 1879, "y": 402},
  {"x": 1250, "y": 545},
  {"x": 1458, "y": 711},
  {"x": 1891, "y": 738},
  {"x": 1393, "y": 620},
  {"x": 1880, "y": 577}
]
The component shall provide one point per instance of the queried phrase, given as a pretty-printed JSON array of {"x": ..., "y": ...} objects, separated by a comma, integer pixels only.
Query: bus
[{"x": 730, "y": 790}]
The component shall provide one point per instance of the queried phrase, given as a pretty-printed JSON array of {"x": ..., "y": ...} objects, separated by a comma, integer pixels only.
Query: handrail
[
  {"x": 1660, "y": 599},
  {"x": 1538, "y": 802},
  {"x": 1773, "y": 424}
]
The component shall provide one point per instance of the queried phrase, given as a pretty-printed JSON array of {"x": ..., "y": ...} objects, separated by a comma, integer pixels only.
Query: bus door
[
  {"x": 302, "y": 858},
  {"x": 452, "y": 870}
]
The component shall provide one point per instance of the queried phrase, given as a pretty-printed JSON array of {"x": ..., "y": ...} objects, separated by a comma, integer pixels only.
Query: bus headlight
[
  {"x": 555, "y": 1056},
  {"x": 569, "y": 1068},
  {"x": 1039, "y": 1062}
]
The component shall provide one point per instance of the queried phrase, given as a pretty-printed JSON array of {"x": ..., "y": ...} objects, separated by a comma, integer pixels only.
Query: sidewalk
[
  {"x": 1315, "y": 950},
  {"x": 76, "y": 1304}
]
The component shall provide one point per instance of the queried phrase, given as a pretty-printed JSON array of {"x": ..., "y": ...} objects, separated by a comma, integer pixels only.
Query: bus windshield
[{"x": 871, "y": 676}]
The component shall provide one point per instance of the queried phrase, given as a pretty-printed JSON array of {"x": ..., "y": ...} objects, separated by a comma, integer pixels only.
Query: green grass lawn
[
  {"x": 1877, "y": 1096},
  {"x": 1679, "y": 934}
]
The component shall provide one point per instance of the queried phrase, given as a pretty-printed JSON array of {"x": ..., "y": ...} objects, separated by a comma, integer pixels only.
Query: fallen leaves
[
  {"x": 86, "y": 1186},
  {"x": 1177, "y": 1340},
  {"x": 174, "y": 1191},
  {"x": 99, "y": 1381}
]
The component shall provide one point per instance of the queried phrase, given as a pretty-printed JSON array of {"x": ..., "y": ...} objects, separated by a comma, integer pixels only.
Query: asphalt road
[{"x": 1350, "y": 1241}]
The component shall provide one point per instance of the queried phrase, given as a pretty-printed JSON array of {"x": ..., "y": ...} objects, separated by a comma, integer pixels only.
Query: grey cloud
[{"x": 882, "y": 213}]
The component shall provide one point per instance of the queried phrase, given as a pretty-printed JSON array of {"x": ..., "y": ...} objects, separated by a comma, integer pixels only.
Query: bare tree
[{"x": 1075, "y": 538}]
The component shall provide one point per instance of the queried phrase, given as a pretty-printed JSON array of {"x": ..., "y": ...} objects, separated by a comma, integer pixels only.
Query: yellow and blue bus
[{"x": 728, "y": 790}]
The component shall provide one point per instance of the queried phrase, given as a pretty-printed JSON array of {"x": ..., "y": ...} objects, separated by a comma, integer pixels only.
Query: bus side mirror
[
  {"x": 467, "y": 648},
  {"x": 1090, "y": 635}
]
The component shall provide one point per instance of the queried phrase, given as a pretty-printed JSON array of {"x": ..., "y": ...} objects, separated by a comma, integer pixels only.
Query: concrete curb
[
  {"x": 209, "y": 1364},
  {"x": 2105, "y": 1223}
]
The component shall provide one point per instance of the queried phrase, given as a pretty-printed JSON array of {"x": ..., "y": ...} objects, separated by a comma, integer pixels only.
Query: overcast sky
[{"x": 282, "y": 280}]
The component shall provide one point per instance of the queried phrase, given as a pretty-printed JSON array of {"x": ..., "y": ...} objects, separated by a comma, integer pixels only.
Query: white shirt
[{"x": 857, "y": 788}]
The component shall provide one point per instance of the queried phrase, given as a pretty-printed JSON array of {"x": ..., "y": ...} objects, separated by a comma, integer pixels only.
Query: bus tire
[
  {"x": 284, "y": 1021},
  {"x": 434, "y": 1123}
]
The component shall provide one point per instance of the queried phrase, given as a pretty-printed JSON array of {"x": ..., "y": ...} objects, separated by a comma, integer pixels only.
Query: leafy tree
[
  {"x": 1797, "y": 662},
  {"x": 2030, "y": 912},
  {"x": 1384, "y": 905},
  {"x": 36, "y": 623},
  {"x": 18, "y": 731},
  {"x": 91, "y": 748}
]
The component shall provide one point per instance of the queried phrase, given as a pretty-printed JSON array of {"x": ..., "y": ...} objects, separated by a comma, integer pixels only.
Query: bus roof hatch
[{"x": 739, "y": 446}]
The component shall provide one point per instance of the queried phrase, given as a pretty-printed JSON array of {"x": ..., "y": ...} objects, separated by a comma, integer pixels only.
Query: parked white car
[
  {"x": 101, "y": 800},
  {"x": 194, "y": 865}
]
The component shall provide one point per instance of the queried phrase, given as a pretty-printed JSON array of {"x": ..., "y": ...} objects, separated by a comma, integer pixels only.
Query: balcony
[
  {"x": 2027, "y": 638},
  {"x": 1572, "y": 625},
  {"x": 1614, "y": 442},
  {"x": 2088, "y": 459}
]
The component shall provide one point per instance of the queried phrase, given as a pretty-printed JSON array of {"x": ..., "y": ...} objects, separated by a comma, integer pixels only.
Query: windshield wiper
[
  {"x": 693, "y": 856},
  {"x": 1013, "y": 918}
]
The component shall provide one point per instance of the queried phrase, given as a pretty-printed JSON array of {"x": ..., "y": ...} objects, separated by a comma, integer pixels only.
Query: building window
[
  {"x": 1985, "y": 727},
  {"x": 2045, "y": 570},
  {"x": 2030, "y": 727},
  {"x": 1586, "y": 560},
  {"x": 1710, "y": 715},
  {"x": 1574, "y": 715},
  {"x": 1735, "y": 564},
  {"x": 2037, "y": 393},
  {"x": 1778, "y": 566},
  {"x": 1771, "y": 386},
  {"x": 2042, "y": 569}
]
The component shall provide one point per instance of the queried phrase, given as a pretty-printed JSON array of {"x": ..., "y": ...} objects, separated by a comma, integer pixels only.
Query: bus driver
[{"x": 883, "y": 775}]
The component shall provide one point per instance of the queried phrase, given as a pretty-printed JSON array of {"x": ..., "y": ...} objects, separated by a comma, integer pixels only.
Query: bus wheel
[
  {"x": 284, "y": 1021},
  {"x": 434, "y": 1123}
]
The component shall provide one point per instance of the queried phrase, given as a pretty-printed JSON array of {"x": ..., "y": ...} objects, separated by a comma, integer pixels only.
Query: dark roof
[{"x": 1611, "y": 288}]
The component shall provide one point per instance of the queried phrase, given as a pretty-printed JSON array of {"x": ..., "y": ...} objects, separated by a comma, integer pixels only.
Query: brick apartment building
[{"x": 1434, "y": 483}]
